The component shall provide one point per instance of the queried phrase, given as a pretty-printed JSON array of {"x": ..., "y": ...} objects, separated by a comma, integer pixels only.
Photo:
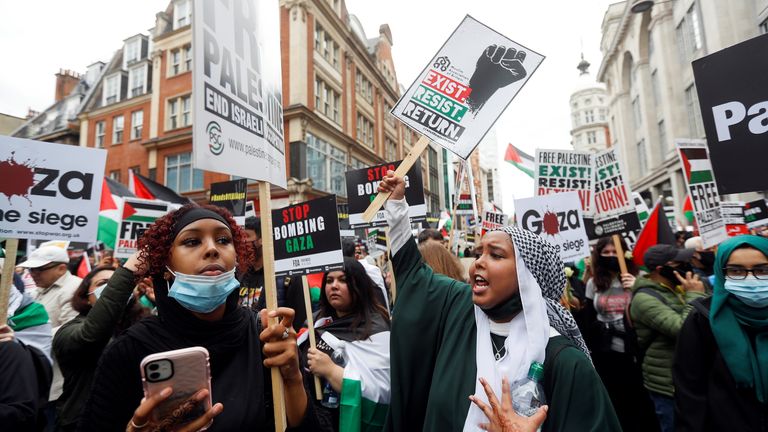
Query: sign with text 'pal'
[
  {"x": 733, "y": 95},
  {"x": 362, "y": 187},
  {"x": 306, "y": 237},
  {"x": 237, "y": 89},
  {"x": 49, "y": 191},
  {"x": 702, "y": 189},
  {"x": 466, "y": 86},
  {"x": 138, "y": 215},
  {"x": 613, "y": 207},
  {"x": 557, "y": 218}
]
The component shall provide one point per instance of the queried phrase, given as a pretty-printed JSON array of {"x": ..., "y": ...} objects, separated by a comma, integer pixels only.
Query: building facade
[
  {"x": 589, "y": 113},
  {"x": 652, "y": 96}
]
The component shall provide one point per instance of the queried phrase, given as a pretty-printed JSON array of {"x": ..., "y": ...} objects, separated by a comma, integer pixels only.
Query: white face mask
[
  {"x": 750, "y": 290},
  {"x": 202, "y": 293}
]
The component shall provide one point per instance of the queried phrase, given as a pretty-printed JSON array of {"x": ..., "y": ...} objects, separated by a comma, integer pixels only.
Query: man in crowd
[
  {"x": 660, "y": 304},
  {"x": 703, "y": 261}
]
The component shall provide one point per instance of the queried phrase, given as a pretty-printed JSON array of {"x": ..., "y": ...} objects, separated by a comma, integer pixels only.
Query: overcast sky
[{"x": 39, "y": 37}]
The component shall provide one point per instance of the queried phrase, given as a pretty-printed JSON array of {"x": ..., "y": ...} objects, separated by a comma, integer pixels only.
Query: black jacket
[
  {"x": 25, "y": 378},
  {"x": 706, "y": 397}
]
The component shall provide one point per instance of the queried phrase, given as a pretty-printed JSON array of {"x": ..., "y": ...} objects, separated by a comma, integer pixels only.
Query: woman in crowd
[
  {"x": 191, "y": 255},
  {"x": 441, "y": 261},
  {"x": 352, "y": 354},
  {"x": 721, "y": 362},
  {"x": 446, "y": 334},
  {"x": 79, "y": 343},
  {"x": 608, "y": 294}
]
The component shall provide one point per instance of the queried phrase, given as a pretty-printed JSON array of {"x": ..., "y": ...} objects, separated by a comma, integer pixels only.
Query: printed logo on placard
[
  {"x": 215, "y": 138},
  {"x": 442, "y": 63}
]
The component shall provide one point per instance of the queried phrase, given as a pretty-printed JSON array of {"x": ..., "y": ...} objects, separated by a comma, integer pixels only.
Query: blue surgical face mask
[
  {"x": 750, "y": 290},
  {"x": 97, "y": 292},
  {"x": 201, "y": 293}
]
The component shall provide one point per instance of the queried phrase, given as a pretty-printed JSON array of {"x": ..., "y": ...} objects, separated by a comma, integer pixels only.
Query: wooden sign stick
[
  {"x": 405, "y": 165},
  {"x": 265, "y": 208},
  {"x": 620, "y": 254},
  {"x": 311, "y": 330},
  {"x": 11, "y": 246}
]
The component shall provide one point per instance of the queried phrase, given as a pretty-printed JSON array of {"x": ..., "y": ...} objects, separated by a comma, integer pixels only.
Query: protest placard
[
  {"x": 230, "y": 195},
  {"x": 557, "y": 218},
  {"x": 642, "y": 208},
  {"x": 466, "y": 86},
  {"x": 733, "y": 96},
  {"x": 306, "y": 237},
  {"x": 464, "y": 207},
  {"x": 344, "y": 229},
  {"x": 756, "y": 213},
  {"x": 49, "y": 191},
  {"x": 563, "y": 171},
  {"x": 612, "y": 204},
  {"x": 138, "y": 215},
  {"x": 733, "y": 216},
  {"x": 702, "y": 189},
  {"x": 237, "y": 108},
  {"x": 493, "y": 220},
  {"x": 362, "y": 187}
]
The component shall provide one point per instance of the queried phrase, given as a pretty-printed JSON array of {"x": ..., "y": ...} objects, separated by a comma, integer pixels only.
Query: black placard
[
  {"x": 733, "y": 95},
  {"x": 306, "y": 237},
  {"x": 230, "y": 195},
  {"x": 756, "y": 213}
]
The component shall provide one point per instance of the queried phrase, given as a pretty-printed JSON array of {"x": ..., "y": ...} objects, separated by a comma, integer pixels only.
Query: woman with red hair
[{"x": 191, "y": 255}]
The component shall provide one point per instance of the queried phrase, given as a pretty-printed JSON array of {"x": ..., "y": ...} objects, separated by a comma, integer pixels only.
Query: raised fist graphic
[{"x": 497, "y": 67}]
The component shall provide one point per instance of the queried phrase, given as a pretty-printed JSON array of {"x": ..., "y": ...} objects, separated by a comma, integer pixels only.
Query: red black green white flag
[
  {"x": 656, "y": 231},
  {"x": 523, "y": 161}
]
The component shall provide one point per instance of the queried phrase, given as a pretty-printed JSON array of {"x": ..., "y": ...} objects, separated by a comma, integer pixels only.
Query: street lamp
[{"x": 640, "y": 6}]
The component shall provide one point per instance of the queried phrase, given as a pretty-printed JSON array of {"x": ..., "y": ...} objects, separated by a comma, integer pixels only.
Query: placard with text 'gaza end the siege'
[
  {"x": 557, "y": 218},
  {"x": 306, "y": 237},
  {"x": 49, "y": 191},
  {"x": 466, "y": 86},
  {"x": 363, "y": 185}
]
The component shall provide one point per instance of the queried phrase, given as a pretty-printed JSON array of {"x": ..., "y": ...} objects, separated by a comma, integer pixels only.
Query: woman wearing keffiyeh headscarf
[
  {"x": 721, "y": 361},
  {"x": 446, "y": 334}
]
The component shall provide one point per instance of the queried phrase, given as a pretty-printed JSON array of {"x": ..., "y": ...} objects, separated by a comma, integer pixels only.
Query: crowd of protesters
[{"x": 423, "y": 343}]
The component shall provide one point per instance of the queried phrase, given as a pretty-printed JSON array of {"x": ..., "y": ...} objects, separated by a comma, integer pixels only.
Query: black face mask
[
  {"x": 609, "y": 262},
  {"x": 708, "y": 261},
  {"x": 669, "y": 272}
]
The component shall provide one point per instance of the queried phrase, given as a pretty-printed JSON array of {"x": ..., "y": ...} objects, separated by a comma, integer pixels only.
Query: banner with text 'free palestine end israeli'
[
  {"x": 466, "y": 86},
  {"x": 237, "y": 89}
]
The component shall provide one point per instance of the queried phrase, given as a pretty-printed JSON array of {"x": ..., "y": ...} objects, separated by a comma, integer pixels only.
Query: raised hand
[
  {"x": 497, "y": 67},
  {"x": 502, "y": 416}
]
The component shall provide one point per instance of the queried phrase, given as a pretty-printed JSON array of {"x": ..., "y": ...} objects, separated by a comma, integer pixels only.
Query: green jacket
[{"x": 657, "y": 324}]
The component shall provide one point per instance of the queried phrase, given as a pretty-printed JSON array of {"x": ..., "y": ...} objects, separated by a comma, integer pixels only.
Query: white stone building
[
  {"x": 652, "y": 96},
  {"x": 589, "y": 112}
]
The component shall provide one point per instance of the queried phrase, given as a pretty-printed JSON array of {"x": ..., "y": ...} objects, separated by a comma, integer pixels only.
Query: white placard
[
  {"x": 466, "y": 86},
  {"x": 558, "y": 219},
  {"x": 137, "y": 216},
  {"x": 237, "y": 89},
  {"x": 49, "y": 191}
]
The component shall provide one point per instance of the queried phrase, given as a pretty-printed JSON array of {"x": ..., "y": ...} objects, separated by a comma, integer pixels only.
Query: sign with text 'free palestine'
[{"x": 466, "y": 86}]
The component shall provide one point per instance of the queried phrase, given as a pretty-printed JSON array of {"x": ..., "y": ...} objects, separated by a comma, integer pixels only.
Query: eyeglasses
[
  {"x": 739, "y": 273},
  {"x": 44, "y": 268}
]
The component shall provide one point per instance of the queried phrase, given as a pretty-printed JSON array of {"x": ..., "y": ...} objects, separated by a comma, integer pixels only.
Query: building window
[
  {"x": 591, "y": 138},
  {"x": 181, "y": 14},
  {"x": 489, "y": 186},
  {"x": 390, "y": 149},
  {"x": 388, "y": 117},
  {"x": 642, "y": 158},
  {"x": 357, "y": 163},
  {"x": 587, "y": 101},
  {"x": 179, "y": 112},
  {"x": 364, "y": 130},
  {"x": 180, "y": 61},
  {"x": 692, "y": 106},
  {"x": 326, "y": 166},
  {"x": 576, "y": 120},
  {"x": 662, "y": 139},
  {"x": 364, "y": 87},
  {"x": 136, "y": 169},
  {"x": 187, "y": 57},
  {"x": 132, "y": 52},
  {"x": 117, "y": 129},
  {"x": 636, "y": 111},
  {"x": 689, "y": 34},
  {"x": 137, "y": 122},
  {"x": 326, "y": 46},
  {"x": 137, "y": 79},
  {"x": 764, "y": 26},
  {"x": 655, "y": 87},
  {"x": 327, "y": 100},
  {"x": 589, "y": 116},
  {"x": 115, "y": 175},
  {"x": 602, "y": 114},
  {"x": 179, "y": 174},
  {"x": 111, "y": 90},
  {"x": 100, "y": 132}
]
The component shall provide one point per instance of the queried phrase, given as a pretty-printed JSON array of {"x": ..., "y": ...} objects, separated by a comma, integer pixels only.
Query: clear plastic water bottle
[
  {"x": 528, "y": 393},
  {"x": 331, "y": 396}
]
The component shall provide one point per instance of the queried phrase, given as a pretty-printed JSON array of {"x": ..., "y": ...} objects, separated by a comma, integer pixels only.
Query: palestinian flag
[
  {"x": 698, "y": 168},
  {"x": 523, "y": 161},
  {"x": 145, "y": 188},
  {"x": 445, "y": 224},
  {"x": 112, "y": 194},
  {"x": 656, "y": 231},
  {"x": 365, "y": 390},
  {"x": 688, "y": 209},
  {"x": 464, "y": 206},
  {"x": 84, "y": 267}
]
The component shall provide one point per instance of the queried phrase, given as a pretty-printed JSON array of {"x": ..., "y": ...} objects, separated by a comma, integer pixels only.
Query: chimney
[
  {"x": 32, "y": 113},
  {"x": 66, "y": 80}
]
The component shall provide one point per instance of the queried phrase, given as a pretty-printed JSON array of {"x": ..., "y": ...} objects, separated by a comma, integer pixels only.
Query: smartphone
[{"x": 187, "y": 371}]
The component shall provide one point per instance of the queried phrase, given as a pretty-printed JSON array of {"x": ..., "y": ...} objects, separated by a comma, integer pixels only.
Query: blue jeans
[{"x": 665, "y": 411}]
